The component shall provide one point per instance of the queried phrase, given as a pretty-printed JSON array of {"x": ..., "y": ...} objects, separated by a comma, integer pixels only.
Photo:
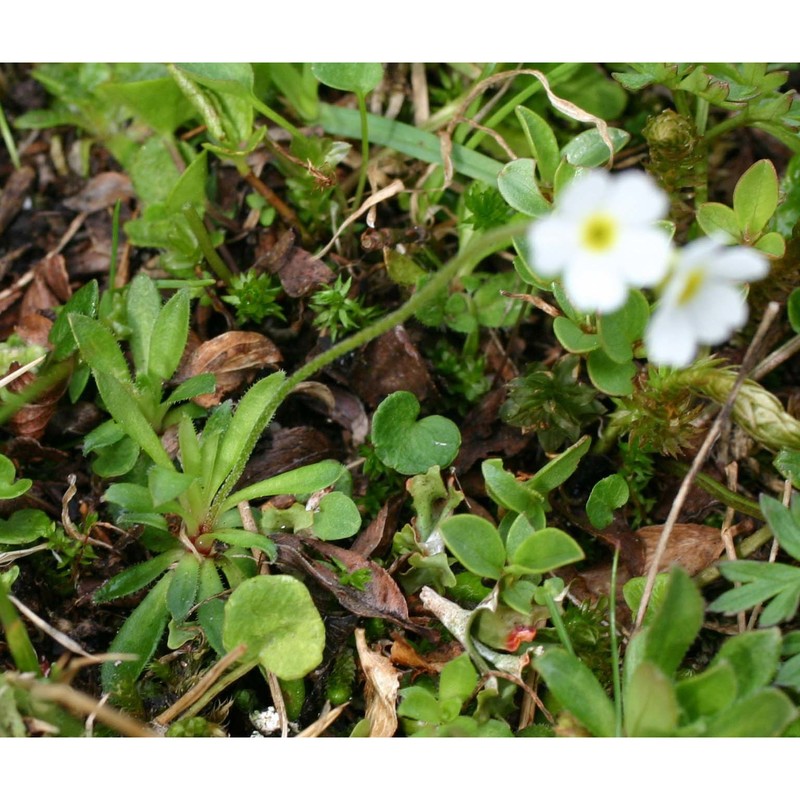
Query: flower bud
[
  {"x": 671, "y": 136},
  {"x": 755, "y": 409}
]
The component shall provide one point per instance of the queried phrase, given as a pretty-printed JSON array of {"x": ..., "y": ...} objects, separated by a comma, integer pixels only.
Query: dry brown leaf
[
  {"x": 389, "y": 364},
  {"x": 381, "y": 597},
  {"x": 101, "y": 192},
  {"x": 49, "y": 287},
  {"x": 404, "y": 655},
  {"x": 380, "y": 690},
  {"x": 231, "y": 357}
]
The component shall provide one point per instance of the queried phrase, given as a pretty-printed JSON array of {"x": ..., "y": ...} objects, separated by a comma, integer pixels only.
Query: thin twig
[
  {"x": 279, "y": 702},
  {"x": 201, "y": 687},
  {"x": 702, "y": 454},
  {"x": 80, "y": 703}
]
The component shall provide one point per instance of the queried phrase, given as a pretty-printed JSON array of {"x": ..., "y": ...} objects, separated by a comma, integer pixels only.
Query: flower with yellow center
[
  {"x": 702, "y": 301},
  {"x": 601, "y": 238}
]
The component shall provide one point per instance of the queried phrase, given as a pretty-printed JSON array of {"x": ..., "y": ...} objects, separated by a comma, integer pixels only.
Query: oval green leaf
[
  {"x": 517, "y": 184},
  {"x": 588, "y": 149},
  {"x": 409, "y": 445},
  {"x": 545, "y": 550},
  {"x": 359, "y": 77},
  {"x": 276, "y": 618},
  {"x": 476, "y": 543},
  {"x": 755, "y": 197}
]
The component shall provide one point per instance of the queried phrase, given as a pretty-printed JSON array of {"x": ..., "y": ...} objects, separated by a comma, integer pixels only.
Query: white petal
[
  {"x": 699, "y": 253},
  {"x": 669, "y": 338},
  {"x": 591, "y": 287},
  {"x": 740, "y": 264},
  {"x": 637, "y": 198},
  {"x": 716, "y": 312},
  {"x": 584, "y": 194},
  {"x": 643, "y": 255},
  {"x": 554, "y": 243}
]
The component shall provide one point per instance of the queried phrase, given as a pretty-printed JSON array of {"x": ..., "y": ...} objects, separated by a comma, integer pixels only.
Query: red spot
[{"x": 518, "y": 635}]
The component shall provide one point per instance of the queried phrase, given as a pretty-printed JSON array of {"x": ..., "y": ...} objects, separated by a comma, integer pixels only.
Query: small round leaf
[
  {"x": 277, "y": 620},
  {"x": 409, "y": 445}
]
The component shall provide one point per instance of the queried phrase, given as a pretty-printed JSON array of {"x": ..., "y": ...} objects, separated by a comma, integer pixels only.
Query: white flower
[
  {"x": 601, "y": 238},
  {"x": 702, "y": 301}
]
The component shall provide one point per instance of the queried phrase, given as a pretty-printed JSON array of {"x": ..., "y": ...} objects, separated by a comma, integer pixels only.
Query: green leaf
[
  {"x": 633, "y": 591},
  {"x": 560, "y": 468},
  {"x": 99, "y": 349},
  {"x": 142, "y": 305},
  {"x": 588, "y": 149},
  {"x": 620, "y": 330},
  {"x": 409, "y": 445},
  {"x": 153, "y": 171},
  {"x": 183, "y": 586},
  {"x": 719, "y": 221},
  {"x": 245, "y": 427},
  {"x": 116, "y": 459},
  {"x": 545, "y": 550},
  {"x": 458, "y": 680},
  {"x": 9, "y": 488},
  {"x": 573, "y": 338},
  {"x": 517, "y": 183},
  {"x": 300, "y": 482},
  {"x": 129, "y": 417},
  {"x": 25, "y": 526},
  {"x": 138, "y": 576},
  {"x": 651, "y": 708},
  {"x": 764, "y": 713},
  {"x": 772, "y": 244},
  {"x": 476, "y": 543},
  {"x": 236, "y": 538},
  {"x": 191, "y": 387},
  {"x": 787, "y": 462},
  {"x": 16, "y": 636},
  {"x": 607, "y": 495},
  {"x": 783, "y": 522},
  {"x": 755, "y": 197},
  {"x": 676, "y": 623},
  {"x": 275, "y": 617},
  {"x": 158, "y": 102},
  {"x": 507, "y": 491},
  {"x": 708, "y": 693},
  {"x": 337, "y": 518},
  {"x": 542, "y": 142},
  {"x": 754, "y": 658},
  {"x": 167, "y": 484},
  {"x": 608, "y": 376},
  {"x": 211, "y": 609},
  {"x": 420, "y": 704},
  {"x": 409, "y": 140},
  {"x": 168, "y": 340},
  {"x": 190, "y": 187},
  {"x": 83, "y": 302},
  {"x": 139, "y": 636},
  {"x": 349, "y": 77},
  {"x": 575, "y": 687}
]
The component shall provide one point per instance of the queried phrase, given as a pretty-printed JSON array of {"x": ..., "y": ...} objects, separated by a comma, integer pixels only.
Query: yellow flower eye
[
  {"x": 694, "y": 280},
  {"x": 599, "y": 232}
]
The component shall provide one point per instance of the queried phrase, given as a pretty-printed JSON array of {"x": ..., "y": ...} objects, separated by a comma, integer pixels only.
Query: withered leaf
[
  {"x": 14, "y": 193},
  {"x": 378, "y": 534},
  {"x": 381, "y": 597},
  {"x": 102, "y": 191},
  {"x": 389, "y": 364},
  {"x": 49, "y": 287},
  {"x": 231, "y": 357},
  {"x": 299, "y": 272},
  {"x": 380, "y": 691}
]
